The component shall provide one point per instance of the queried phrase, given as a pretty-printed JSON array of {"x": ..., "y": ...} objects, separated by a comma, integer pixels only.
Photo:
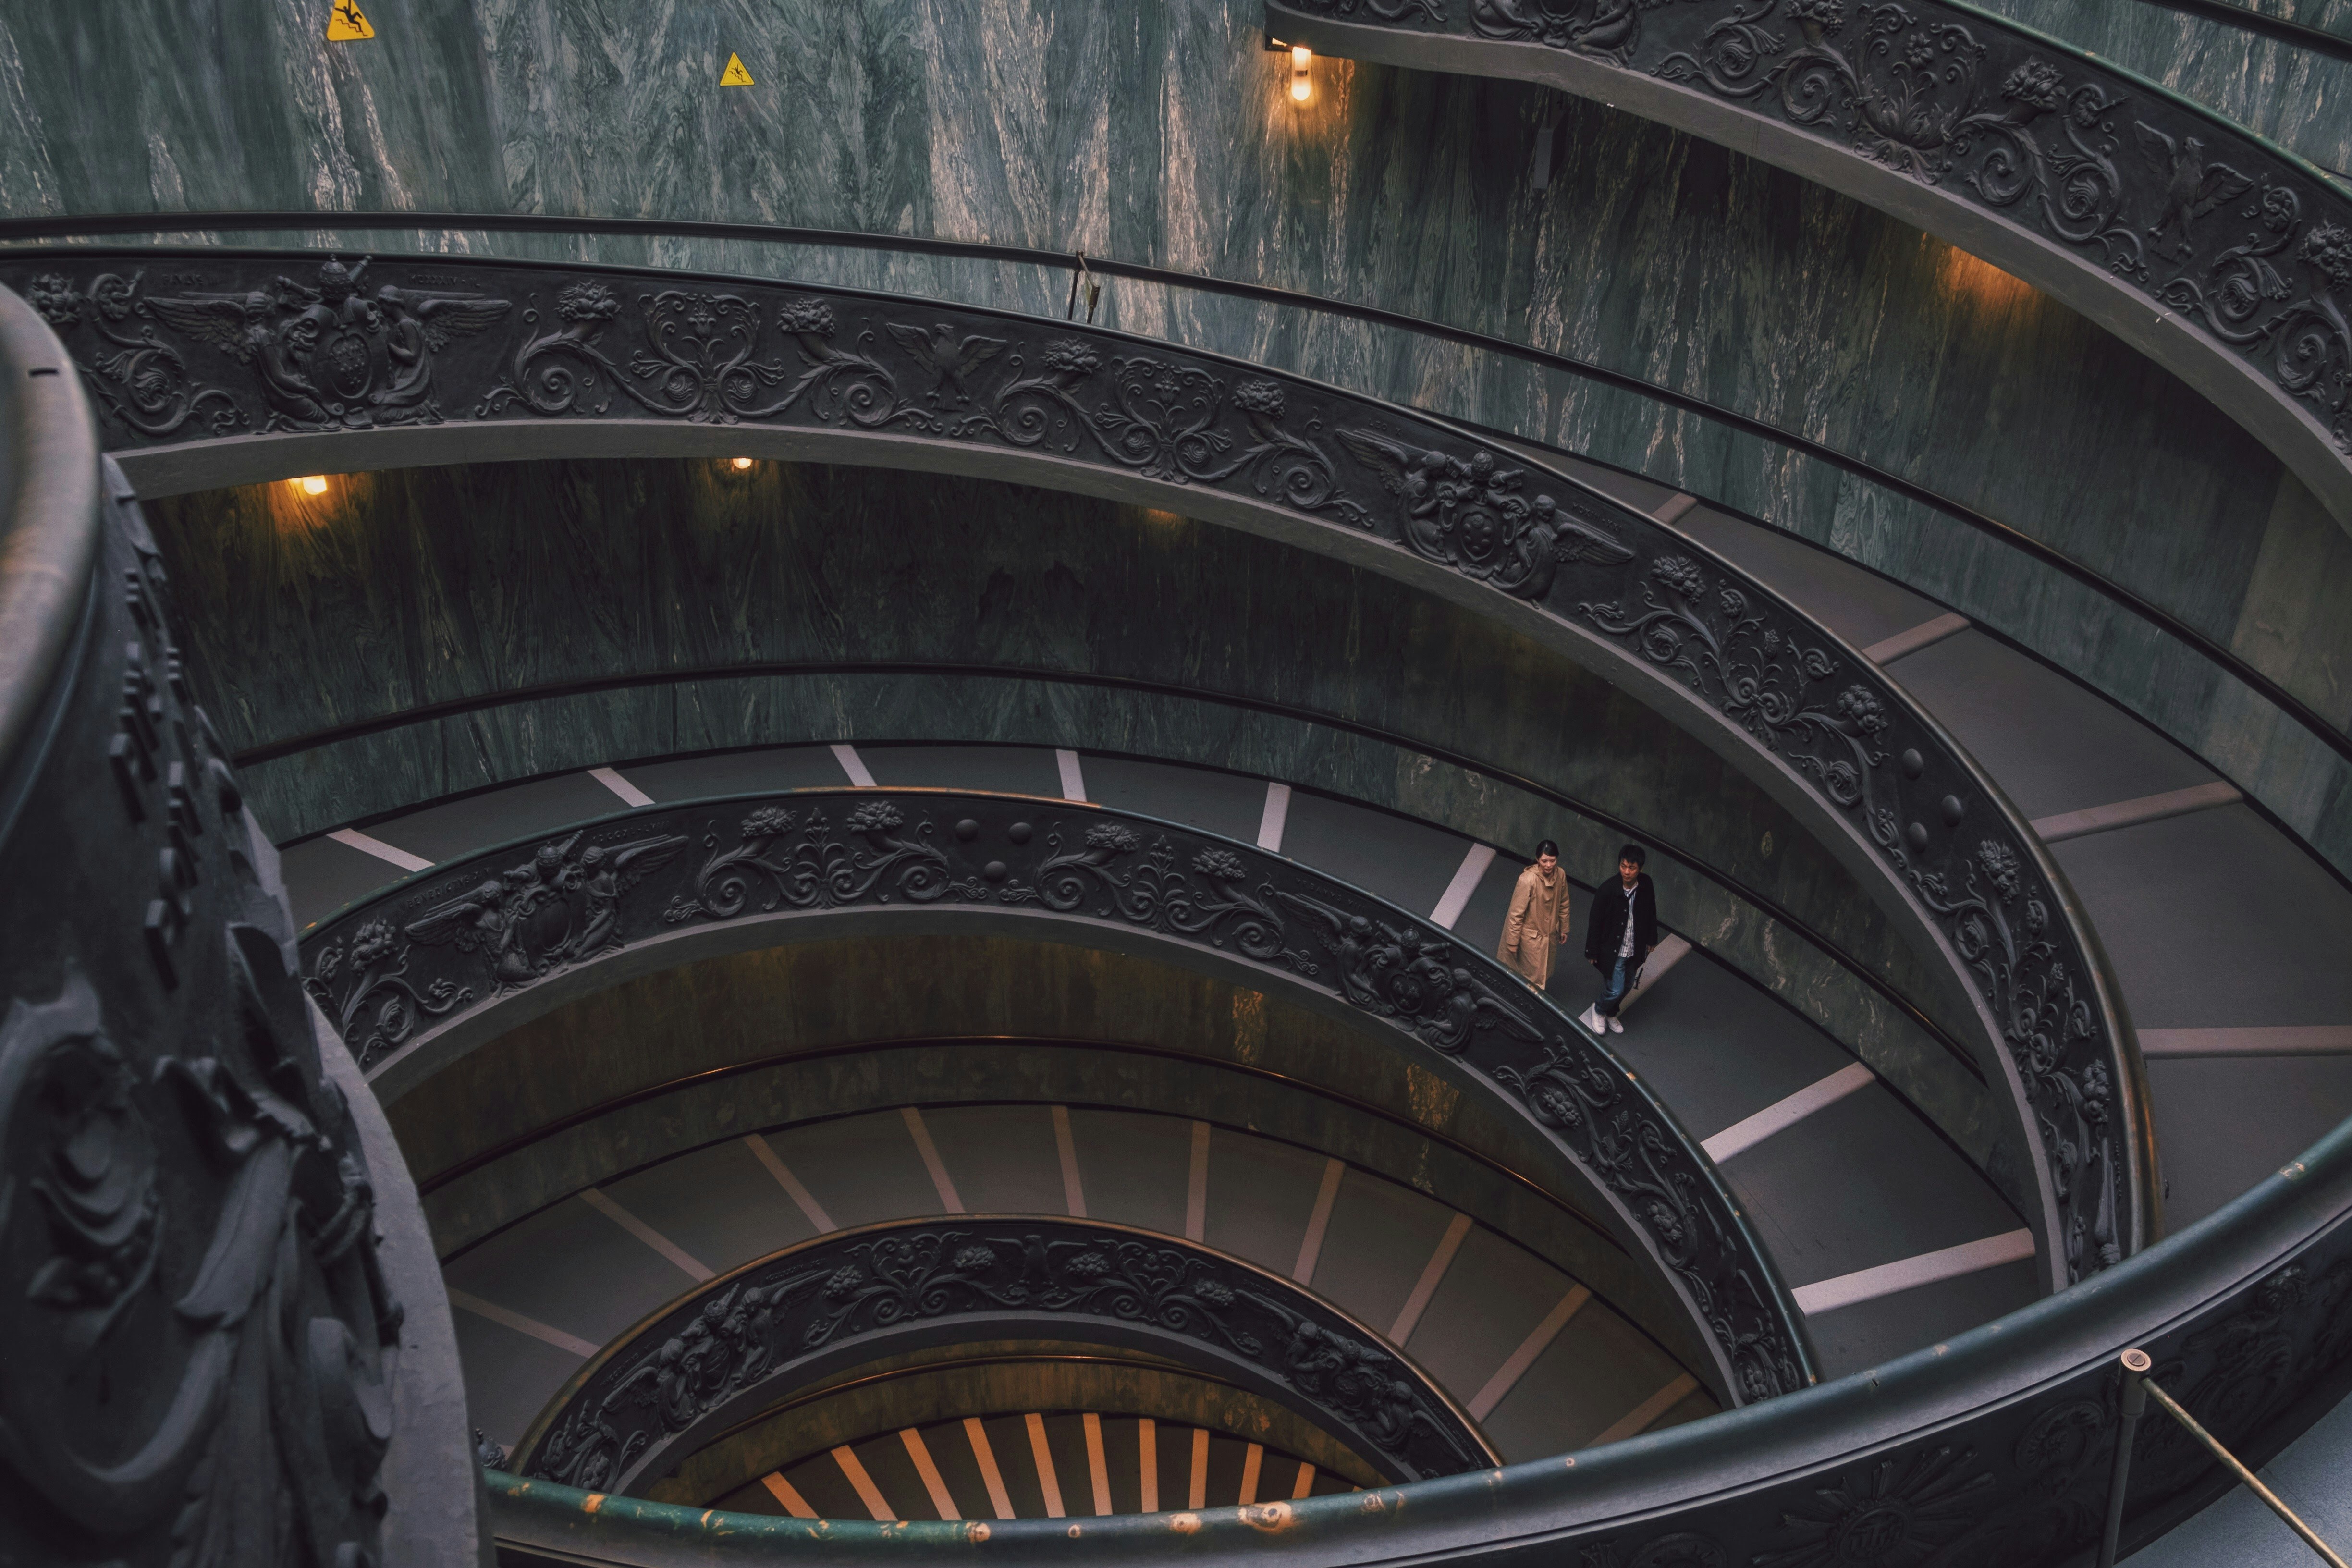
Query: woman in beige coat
[{"x": 1537, "y": 926}]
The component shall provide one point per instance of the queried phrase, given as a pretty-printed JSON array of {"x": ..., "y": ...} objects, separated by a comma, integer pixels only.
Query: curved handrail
[
  {"x": 49, "y": 536},
  {"x": 2212, "y": 651},
  {"x": 2231, "y": 14},
  {"x": 489, "y": 347},
  {"x": 1994, "y": 1447},
  {"x": 2093, "y": 182},
  {"x": 737, "y": 1345},
  {"x": 437, "y": 943}
]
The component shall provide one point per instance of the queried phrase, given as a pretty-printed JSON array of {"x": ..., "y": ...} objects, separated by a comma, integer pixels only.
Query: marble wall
[{"x": 1159, "y": 133}]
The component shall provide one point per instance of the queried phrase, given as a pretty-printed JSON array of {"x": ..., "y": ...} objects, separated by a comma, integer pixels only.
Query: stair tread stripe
[
  {"x": 984, "y": 1454},
  {"x": 352, "y": 837},
  {"x": 940, "y": 1181},
  {"x": 1311, "y": 1246},
  {"x": 1538, "y": 1340},
  {"x": 1196, "y": 1186},
  {"x": 1456, "y": 898},
  {"x": 1433, "y": 1273},
  {"x": 1044, "y": 1456},
  {"x": 942, "y": 1500},
  {"x": 2131, "y": 813},
  {"x": 1927, "y": 633},
  {"x": 1909, "y": 1273},
  {"x": 1097, "y": 1469},
  {"x": 1786, "y": 1112},
  {"x": 611, "y": 780},
  {"x": 601, "y": 1202},
  {"x": 544, "y": 1332},
  {"x": 1671, "y": 950},
  {"x": 867, "y": 1492},
  {"x": 801, "y": 1197},
  {"x": 782, "y": 1492},
  {"x": 2289, "y": 1040},
  {"x": 1275, "y": 816},
  {"x": 853, "y": 765},
  {"x": 1074, "y": 1190},
  {"x": 1636, "y": 1421}
]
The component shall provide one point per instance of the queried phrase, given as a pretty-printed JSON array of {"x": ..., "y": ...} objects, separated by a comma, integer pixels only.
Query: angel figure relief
[
  {"x": 330, "y": 355},
  {"x": 559, "y": 906},
  {"x": 1472, "y": 516}
]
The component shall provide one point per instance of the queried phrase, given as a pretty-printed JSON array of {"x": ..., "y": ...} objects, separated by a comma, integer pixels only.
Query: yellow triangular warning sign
[
  {"x": 346, "y": 22},
  {"x": 735, "y": 75}
]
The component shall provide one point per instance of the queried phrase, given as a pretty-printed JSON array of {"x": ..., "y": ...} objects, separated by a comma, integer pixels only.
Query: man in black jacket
[{"x": 1622, "y": 932}]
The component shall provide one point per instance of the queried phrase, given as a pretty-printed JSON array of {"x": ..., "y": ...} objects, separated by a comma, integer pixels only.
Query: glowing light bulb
[
  {"x": 313, "y": 485},
  {"x": 1302, "y": 85},
  {"x": 741, "y": 463}
]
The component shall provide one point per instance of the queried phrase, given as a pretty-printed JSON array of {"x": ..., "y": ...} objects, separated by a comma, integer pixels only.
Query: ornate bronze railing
[
  {"x": 418, "y": 956},
  {"x": 2224, "y": 256},
  {"x": 216, "y": 361},
  {"x": 1995, "y": 1448},
  {"x": 200, "y": 1338},
  {"x": 737, "y": 1345}
]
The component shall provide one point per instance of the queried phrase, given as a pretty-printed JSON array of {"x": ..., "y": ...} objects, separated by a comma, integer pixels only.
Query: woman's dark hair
[
  {"x": 1546, "y": 847},
  {"x": 1634, "y": 853}
]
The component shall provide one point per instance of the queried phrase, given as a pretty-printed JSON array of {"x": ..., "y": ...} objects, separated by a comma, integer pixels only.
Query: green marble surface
[
  {"x": 2296, "y": 96},
  {"x": 422, "y": 586},
  {"x": 1160, "y": 132}
]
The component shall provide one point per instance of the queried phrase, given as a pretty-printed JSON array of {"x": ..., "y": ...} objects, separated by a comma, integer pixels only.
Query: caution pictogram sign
[
  {"x": 735, "y": 75},
  {"x": 347, "y": 22}
]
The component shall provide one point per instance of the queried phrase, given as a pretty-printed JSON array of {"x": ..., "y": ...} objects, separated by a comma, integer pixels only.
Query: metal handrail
[
  {"x": 2137, "y": 1389},
  {"x": 430, "y": 949},
  {"x": 2172, "y": 626},
  {"x": 1994, "y": 1447}
]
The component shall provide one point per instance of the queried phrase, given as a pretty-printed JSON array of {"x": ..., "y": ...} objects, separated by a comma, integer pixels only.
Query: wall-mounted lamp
[
  {"x": 740, "y": 464},
  {"x": 311, "y": 485},
  {"x": 1302, "y": 85}
]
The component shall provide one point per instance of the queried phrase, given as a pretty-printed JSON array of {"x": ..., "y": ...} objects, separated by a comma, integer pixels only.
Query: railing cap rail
[
  {"x": 1536, "y": 1504},
  {"x": 49, "y": 529}
]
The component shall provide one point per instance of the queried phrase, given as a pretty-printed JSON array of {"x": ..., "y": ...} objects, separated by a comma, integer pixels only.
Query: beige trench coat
[{"x": 1536, "y": 924}]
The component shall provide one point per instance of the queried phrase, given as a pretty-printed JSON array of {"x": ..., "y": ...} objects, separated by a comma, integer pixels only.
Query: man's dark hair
[
  {"x": 1634, "y": 853},
  {"x": 1546, "y": 847}
]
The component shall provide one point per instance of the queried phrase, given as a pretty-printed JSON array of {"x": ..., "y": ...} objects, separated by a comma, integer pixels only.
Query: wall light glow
[
  {"x": 1302, "y": 85},
  {"x": 739, "y": 463},
  {"x": 311, "y": 485}
]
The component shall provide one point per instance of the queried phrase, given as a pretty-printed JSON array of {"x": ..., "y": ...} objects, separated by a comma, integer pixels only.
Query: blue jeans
[{"x": 1613, "y": 989}]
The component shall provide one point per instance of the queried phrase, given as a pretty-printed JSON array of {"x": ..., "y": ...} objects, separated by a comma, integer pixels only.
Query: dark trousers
[{"x": 1615, "y": 983}]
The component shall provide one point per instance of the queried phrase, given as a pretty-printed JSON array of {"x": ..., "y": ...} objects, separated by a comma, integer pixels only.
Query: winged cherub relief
[
  {"x": 1472, "y": 516},
  {"x": 498, "y": 916},
  {"x": 331, "y": 356}
]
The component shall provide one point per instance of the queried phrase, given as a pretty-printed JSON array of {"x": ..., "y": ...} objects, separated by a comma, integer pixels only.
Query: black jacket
[{"x": 1604, "y": 928}]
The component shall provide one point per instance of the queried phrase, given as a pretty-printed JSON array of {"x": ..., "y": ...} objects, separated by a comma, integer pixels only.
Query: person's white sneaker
[
  {"x": 1615, "y": 1027},
  {"x": 1591, "y": 1019}
]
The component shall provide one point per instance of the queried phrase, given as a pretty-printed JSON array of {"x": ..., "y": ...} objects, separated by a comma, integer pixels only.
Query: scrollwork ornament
[{"x": 760, "y": 1323}]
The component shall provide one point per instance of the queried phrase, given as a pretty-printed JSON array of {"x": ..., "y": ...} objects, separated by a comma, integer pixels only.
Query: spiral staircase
[{"x": 788, "y": 901}]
